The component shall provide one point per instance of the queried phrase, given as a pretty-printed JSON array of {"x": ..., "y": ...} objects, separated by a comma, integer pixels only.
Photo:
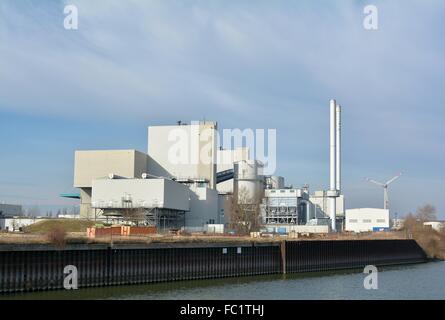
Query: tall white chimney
[
  {"x": 332, "y": 147},
  {"x": 338, "y": 148}
]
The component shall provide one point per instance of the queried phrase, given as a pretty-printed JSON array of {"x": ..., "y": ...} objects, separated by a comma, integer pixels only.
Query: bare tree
[
  {"x": 426, "y": 212},
  {"x": 432, "y": 242},
  {"x": 410, "y": 223},
  {"x": 245, "y": 213},
  {"x": 57, "y": 235},
  {"x": 34, "y": 211}
]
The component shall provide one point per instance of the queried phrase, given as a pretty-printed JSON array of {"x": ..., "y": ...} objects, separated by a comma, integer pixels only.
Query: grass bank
[{"x": 69, "y": 225}]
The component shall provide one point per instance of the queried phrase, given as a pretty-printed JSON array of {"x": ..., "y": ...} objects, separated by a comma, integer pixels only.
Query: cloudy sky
[{"x": 247, "y": 64}]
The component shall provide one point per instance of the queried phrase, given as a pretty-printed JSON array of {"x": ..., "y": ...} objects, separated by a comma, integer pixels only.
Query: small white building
[
  {"x": 366, "y": 219},
  {"x": 11, "y": 224},
  {"x": 397, "y": 224},
  {"x": 436, "y": 225},
  {"x": 214, "y": 228}
]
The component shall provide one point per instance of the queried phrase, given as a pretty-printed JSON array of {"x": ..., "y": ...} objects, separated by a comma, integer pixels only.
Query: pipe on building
[
  {"x": 338, "y": 148},
  {"x": 308, "y": 210},
  {"x": 332, "y": 145},
  {"x": 332, "y": 154}
]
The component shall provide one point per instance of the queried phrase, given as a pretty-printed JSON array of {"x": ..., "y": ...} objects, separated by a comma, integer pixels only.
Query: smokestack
[
  {"x": 332, "y": 145},
  {"x": 338, "y": 148},
  {"x": 333, "y": 156}
]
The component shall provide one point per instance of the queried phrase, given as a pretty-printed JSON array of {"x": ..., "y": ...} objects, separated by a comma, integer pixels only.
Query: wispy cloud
[{"x": 263, "y": 64}]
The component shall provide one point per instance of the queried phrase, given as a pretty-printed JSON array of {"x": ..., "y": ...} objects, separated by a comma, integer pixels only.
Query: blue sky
[{"x": 246, "y": 64}]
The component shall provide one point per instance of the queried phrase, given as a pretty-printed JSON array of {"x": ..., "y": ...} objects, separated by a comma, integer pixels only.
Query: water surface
[{"x": 420, "y": 281}]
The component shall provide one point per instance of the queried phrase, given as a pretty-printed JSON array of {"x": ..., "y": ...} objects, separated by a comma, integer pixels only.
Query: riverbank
[
  {"x": 417, "y": 281},
  {"x": 81, "y": 238},
  {"x": 432, "y": 242},
  {"x": 42, "y": 267}
]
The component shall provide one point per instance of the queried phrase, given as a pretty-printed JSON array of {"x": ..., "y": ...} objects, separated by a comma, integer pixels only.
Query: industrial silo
[
  {"x": 248, "y": 184},
  {"x": 274, "y": 182}
]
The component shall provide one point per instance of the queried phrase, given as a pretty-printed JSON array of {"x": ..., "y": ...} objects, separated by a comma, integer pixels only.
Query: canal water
[{"x": 420, "y": 281}]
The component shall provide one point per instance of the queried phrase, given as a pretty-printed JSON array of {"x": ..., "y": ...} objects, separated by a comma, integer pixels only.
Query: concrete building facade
[
  {"x": 225, "y": 204},
  {"x": 366, "y": 219},
  {"x": 203, "y": 208},
  {"x": 184, "y": 151},
  {"x": 94, "y": 164},
  {"x": 226, "y": 160},
  {"x": 177, "y": 180},
  {"x": 179, "y": 176},
  {"x": 322, "y": 205},
  {"x": 140, "y": 193},
  {"x": 286, "y": 207}
]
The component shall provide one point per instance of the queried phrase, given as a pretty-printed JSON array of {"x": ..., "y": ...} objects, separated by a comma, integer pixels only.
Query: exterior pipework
[
  {"x": 308, "y": 210},
  {"x": 338, "y": 148},
  {"x": 332, "y": 154}
]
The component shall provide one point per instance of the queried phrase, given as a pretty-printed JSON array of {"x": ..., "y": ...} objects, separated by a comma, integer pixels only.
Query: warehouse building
[{"x": 366, "y": 219}]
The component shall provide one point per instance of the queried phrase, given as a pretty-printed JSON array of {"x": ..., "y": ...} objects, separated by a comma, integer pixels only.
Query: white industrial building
[
  {"x": 321, "y": 203},
  {"x": 274, "y": 182},
  {"x": 226, "y": 185},
  {"x": 203, "y": 208},
  {"x": 172, "y": 186},
  {"x": 184, "y": 180},
  {"x": 366, "y": 219},
  {"x": 12, "y": 219},
  {"x": 184, "y": 151},
  {"x": 12, "y": 224},
  {"x": 292, "y": 209},
  {"x": 397, "y": 224},
  {"x": 435, "y": 225},
  {"x": 286, "y": 207},
  {"x": 248, "y": 182},
  {"x": 226, "y": 160},
  {"x": 157, "y": 201},
  {"x": 96, "y": 164}
]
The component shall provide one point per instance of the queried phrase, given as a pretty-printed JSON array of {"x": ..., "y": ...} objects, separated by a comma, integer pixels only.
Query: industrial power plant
[
  {"x": 186, "y": 181},
  {"x": 189, "y": 209}
]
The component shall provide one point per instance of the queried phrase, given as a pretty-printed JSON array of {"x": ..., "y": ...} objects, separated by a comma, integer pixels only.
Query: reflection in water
[{"x": 421, "y": 281}]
